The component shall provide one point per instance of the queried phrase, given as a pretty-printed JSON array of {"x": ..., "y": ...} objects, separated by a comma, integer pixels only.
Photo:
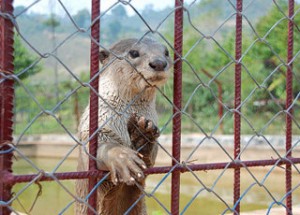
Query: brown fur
[{"x": 127, "y": 118}]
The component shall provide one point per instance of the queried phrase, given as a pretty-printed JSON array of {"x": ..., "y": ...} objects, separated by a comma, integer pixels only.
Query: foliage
[
  {"x": 263, "y": 86},
  {"x": 273, "y": 51},
  {"x": 27, "y": 109},
  {"x": 23, "y": 60},
  {"x": 261, "y": 89},
  {"x": 52, "y": 22},
  {"x": 83, "y": 18}
]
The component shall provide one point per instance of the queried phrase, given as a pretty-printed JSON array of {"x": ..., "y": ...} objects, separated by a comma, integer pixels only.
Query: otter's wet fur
[{"x": 132, "y": 72}]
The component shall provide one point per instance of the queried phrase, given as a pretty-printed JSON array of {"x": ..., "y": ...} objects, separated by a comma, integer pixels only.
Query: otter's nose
[{"x": 158, "y": 65}]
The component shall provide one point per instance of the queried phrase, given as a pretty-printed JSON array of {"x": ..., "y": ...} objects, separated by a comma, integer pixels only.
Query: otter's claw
[
  {"x": 124, "y": 165},
  {"x": 143, "y": 135},
  {"x": 142, "y": 130}
]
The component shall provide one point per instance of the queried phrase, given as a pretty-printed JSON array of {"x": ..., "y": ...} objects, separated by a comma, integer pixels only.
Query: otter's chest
[{"x": 115, "y": 114}]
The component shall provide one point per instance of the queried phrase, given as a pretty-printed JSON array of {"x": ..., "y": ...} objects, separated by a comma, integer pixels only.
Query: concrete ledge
[
  {"x": 274, "y": 211},
  {"x": 58, "y": 145},
  {"x": 49, "y": 145},
  {"x": 192, "y": 140}
]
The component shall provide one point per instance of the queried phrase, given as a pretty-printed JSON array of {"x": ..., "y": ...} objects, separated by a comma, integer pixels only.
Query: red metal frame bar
[
  {"x": 6, "y": 100},
  {"x": 94, "y": 100},
  {"x": 289, "y": 100},
  {"x": 13, "y": 179},
  {"x": 237, "y": 103},
  {"x": 177, "y": 96}
]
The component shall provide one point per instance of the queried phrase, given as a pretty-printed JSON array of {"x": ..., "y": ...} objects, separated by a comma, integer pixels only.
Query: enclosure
[{"x": 228, "y": 116}]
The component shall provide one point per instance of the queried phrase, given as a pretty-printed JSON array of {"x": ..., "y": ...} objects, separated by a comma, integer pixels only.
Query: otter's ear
[{"x": 103, "y": 55}]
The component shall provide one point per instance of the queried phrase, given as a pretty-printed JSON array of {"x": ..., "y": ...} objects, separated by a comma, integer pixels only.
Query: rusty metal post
[
  {"x": 289, "y": 101},
  {"x": 6, "y": 102},
  {"x": 176, "y": 138},
  {"x": 94, "y": 66},
  {"x": 237, "y": 103}
]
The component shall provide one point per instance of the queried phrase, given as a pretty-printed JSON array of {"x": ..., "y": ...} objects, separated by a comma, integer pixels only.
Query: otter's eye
[
  {"x": 167, "y": 52},
  {"x": 134, "y": 53}
]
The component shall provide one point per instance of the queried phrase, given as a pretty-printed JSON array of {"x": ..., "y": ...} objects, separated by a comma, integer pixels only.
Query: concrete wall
[{"x": 54, "y": 145}]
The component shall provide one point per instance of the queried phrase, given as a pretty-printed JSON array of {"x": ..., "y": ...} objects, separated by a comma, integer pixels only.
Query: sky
[{"x": 74, "y": 5}]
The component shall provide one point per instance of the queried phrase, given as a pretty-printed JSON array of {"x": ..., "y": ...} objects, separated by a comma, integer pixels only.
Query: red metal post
[
  {"x": 237, "y": 103},
  {"x": 94, "y": 66},
  {"x": 6, "y": 101},
  {"x": 176, "y": 138},
  {"x": 289, "y": 100}
]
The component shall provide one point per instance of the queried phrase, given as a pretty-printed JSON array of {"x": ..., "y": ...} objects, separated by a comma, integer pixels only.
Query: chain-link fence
[{"x": 228, "y": 116}]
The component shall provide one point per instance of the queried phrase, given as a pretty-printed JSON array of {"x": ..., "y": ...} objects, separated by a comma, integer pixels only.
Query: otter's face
[
  {"x": 144, "y": 63},
  {"x": 150, "y": 60}
]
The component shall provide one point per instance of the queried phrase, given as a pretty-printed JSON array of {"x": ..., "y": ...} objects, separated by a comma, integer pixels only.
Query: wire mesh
[{"x": 246, "y": 84}]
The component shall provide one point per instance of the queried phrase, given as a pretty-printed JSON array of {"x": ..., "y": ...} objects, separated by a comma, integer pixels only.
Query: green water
[{"x": 56, "y": 197}]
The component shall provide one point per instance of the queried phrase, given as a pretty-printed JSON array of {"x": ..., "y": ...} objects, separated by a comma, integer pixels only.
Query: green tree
[
  {"x": 116, "y": 28},
  {"x": 216, "y": 56},
  {"x": 119, "y": 12},
  {"x": 273, "y": 51},
  {"x": 52, "y": 22},
  {"x": 83, "y": 18},
  {"x": 23, "y": 60}
]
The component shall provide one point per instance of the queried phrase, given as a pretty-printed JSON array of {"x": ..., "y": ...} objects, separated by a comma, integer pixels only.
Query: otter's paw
[
  {"x": 125, "y": 165},
  {"x": 141, "y": 131}
]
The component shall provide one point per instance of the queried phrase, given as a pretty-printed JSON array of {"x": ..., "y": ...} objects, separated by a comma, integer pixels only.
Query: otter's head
[{"x": 137, "y": 64}]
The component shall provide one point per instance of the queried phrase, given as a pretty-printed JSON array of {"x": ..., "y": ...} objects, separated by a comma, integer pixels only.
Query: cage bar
[
  {"x": 156, "y": 170},
  {"x": 177, "y": 96},
  {"x": 237, "y": 103},
  {"x": 289, "y": 110},
  {"x": 6, "y": 101},
  {"x": 94, "y": 100}
]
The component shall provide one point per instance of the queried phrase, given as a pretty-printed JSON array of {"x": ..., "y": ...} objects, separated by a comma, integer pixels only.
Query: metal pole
[
  {"x": 289, "y": 101},
  {"x": 178, "y": 37},
  {"x": 237, "y": 103},
  {"x": 94, "y": 66},
  {"x": 6, "y": 102}
]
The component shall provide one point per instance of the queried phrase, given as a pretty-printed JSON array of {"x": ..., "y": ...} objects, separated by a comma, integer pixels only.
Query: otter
[{"x": 132, "y": 71}]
